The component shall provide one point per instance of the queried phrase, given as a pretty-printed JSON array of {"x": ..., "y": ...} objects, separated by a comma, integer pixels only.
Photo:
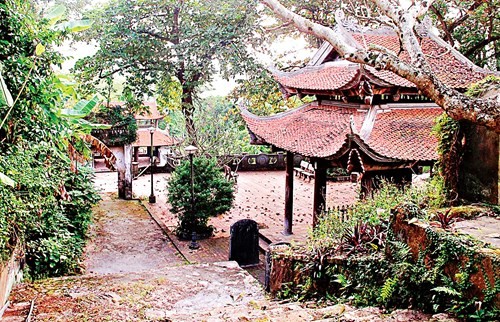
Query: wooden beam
[
  {"x": 319, "y": 201},
  {"x": 288, "y": 195}
]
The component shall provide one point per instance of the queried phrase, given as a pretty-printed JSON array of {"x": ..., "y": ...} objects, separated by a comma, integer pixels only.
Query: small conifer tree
[{"x": 213, "y": 195}]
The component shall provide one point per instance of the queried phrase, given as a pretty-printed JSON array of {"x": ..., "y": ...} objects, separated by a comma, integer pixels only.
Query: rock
[
  {"x": 155, "y": 315},
  {"x": 331, "y": 311}
]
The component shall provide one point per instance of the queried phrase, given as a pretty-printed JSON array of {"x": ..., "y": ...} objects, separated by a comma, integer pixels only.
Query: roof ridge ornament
[
  {"x": 423, "y": 28},
  {"x": 352, "y": 125},
  {"x": 350, "y": 23}
]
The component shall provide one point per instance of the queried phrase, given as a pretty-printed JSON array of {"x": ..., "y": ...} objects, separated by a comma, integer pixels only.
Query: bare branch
[{"x": 283, "y": 25}]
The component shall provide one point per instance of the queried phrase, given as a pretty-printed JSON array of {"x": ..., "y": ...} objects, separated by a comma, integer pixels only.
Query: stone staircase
[{"x": 205, "y": 292}]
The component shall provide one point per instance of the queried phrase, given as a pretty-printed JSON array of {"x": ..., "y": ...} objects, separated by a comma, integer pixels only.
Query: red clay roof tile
[
  {"x": 322, "y": 78},
  {"x": 321, "y": 131},
  {"x": 405, "y": 134},
  {"x": 455, "y": 71},
  {"x": 313, "y": 131}
]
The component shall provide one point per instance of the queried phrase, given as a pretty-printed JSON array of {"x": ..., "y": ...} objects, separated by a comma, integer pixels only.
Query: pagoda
[{"x": 365, "y": 120}]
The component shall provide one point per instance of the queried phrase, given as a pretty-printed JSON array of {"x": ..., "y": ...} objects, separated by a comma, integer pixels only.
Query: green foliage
[
  {"x": 261, "y": 95},
  {"x": 51, "y": 223},
  {"x": 374, "y": 211},
  {"x": 450, "y": 149},
  {"x": 480, "y": 88},
  {"x": 46, "y": 207},
  {"x": 472, "y": 27},
  {"x": 213, "y": 195},
  {"x": 438, "y": 280},
  {"x": 171, "y": 46},
  {"x": 220, "y": 128},
  {"x": 388, "y": 288},
  {"x": 123, "y": 125}
]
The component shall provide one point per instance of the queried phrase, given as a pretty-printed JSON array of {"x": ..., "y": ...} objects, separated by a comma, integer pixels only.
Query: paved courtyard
[{"x": 259, "y": 196}]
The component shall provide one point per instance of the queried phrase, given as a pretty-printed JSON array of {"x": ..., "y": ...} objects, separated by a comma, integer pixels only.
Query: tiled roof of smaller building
[
  {"x": 320, "y": 78},
  {"x": 322, "y": 130},
  {"x": 160, "y": 138}
]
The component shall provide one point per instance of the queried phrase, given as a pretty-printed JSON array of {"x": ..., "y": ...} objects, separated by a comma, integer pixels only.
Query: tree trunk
[{"x": 187, "y": 111}]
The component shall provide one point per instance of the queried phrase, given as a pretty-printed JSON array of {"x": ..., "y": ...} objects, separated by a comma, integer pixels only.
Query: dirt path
[{"x": 126, "y": 239}]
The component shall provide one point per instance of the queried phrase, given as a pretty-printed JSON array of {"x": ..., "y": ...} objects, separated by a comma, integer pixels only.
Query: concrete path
[{"x": 124, "y": 238}]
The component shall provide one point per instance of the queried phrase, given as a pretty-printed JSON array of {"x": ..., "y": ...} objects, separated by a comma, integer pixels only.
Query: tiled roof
[
  {"x": 313, "y": 131},
  {"x": 321, "y": 131},
  {"x": 405, "y": 134},
  {"x": 320, "y": 78},
  {"x": 449, "y": 65},
  {"x": 389, "y": 77},
  {"x": 160, "y": 138}
]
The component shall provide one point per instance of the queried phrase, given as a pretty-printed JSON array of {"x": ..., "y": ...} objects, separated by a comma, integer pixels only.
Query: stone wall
[
  {"x": 289, "y": 271},
  {"x": 423, "y": 239},
  {"x": 10, "y": 274}
]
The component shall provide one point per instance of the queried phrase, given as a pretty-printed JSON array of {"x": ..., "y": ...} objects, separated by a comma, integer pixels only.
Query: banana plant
[
  {"x": 5, "y": 100},
  {"x": 57, "y": 13},
  {"x": 5, "y": 95},
  {"x": 81, "y": 131}
]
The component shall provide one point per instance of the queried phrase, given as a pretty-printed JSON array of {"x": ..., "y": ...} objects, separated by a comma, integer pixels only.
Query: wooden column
[
  {"x": 136, "y": 154},
  {"x": 288, "y": 195},
  {"x": 319, "y": 201}
]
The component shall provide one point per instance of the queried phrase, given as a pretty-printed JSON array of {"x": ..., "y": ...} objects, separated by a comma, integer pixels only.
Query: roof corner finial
[{"x": 242, "y": 104}]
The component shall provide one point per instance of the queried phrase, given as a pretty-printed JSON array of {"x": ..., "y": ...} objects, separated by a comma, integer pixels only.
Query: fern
[
  {"x": 401, "y": 251},
  {"x": 388, "y": 288},
  {"x": 446, "y": 290},
  {"x": 342, "y": 280}
]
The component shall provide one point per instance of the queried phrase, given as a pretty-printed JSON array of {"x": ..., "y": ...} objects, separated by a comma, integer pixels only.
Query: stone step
[
  {"x": 205, "y": 292},
  {"x": 264, "y": 243}
]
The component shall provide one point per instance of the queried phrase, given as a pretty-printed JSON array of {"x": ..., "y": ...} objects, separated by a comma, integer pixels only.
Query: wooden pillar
[
  {"x": 319, "y": 201},
  {"x": 288, "y": 195},
  {"x": 136, "y": 154}
]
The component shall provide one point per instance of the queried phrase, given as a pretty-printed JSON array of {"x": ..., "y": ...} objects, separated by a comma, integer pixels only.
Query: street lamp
[
  {"x": 152, "y": 197},
  {"x": 191, "y": 150}
]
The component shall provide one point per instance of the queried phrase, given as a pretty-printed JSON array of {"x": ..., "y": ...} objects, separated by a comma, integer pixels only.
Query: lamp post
[
  {"x": 191, "y": 150},
  {"x": 152, "y": 197}
]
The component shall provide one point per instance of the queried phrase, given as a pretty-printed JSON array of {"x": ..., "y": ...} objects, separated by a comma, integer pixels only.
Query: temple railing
[{"x": 256, "y": 162}]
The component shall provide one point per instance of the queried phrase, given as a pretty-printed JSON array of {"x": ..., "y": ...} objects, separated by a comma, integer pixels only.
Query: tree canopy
[{"x": 162, "y": 46}]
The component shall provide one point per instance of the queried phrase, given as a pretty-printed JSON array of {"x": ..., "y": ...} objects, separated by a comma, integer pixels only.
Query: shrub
[
  {"x": 213, "y": 195},
  {"x": 374, "y": 211},
  {"x": 53, "y": 228}
]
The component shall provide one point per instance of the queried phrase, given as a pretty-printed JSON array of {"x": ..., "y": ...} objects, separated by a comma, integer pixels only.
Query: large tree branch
[
  {"x": 343, "y": 44},
  {"x": 152, "y": 34},
  {"x": 457, "y": 105},
  {"x": 480, "y": 45},
  {"x": 466, "y": 15},
  {"x": 444, "y": 25}
]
